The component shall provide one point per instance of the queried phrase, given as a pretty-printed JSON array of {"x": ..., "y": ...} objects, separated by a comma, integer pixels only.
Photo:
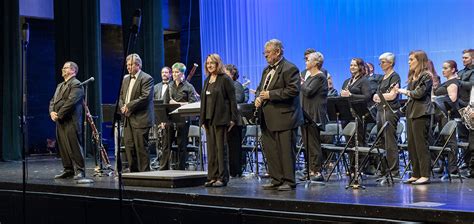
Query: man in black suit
[
  {"x": 466, "y": 80},
  {"x": 161, "y": 89},
  {"x": 136, "y": 104},
  {"x": 278, "y": 100},
  {"x": 65, "y": 108}
]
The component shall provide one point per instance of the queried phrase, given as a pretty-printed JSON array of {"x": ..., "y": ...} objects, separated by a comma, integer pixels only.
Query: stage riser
[{"x": 55, "y": 208}]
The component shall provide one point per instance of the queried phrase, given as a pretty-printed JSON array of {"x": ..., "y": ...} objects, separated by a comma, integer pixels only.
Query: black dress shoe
[
  {"x": 286, "y": 187},
  {"x": 209, "y": 183},
  {"x": 79, "y": 176},
  {"x": 317, "y": 177},
  {"x": 219, "y": 183},
  {"x": 270, "y": 186},
  {"x": 64, "y": 175}
]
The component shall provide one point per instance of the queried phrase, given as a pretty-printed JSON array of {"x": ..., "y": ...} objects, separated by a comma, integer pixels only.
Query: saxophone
[{"x": 467, "y": 116}]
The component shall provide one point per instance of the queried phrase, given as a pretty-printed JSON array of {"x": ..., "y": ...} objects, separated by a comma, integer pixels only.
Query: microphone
[
  {"x": 91, "y": 79},
  {"x": 25, "y": 33},
  {"x": 136, "y": 21}
]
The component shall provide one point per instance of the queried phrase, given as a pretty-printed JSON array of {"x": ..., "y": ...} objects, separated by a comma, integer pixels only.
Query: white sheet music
[{"x": 471, "y": 100}]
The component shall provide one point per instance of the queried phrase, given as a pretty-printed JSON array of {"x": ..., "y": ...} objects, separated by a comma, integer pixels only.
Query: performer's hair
[
  {"x": 180, "y": 66},
  {"x": 219, "y": 65},
  {"x": 389, "y": 56},
  {"x": 136, "y": 59},
  {"x": 276, "y": 44},
  {"x": 233, "y": 71},
  {"x": 73, "y": 65}
]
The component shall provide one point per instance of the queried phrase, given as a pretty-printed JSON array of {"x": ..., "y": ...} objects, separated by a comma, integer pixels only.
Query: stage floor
[{"x": 438, "y": 202}]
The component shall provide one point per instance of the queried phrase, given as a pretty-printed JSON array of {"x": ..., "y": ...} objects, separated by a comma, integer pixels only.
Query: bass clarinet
[{"x": 97, "y": 139}]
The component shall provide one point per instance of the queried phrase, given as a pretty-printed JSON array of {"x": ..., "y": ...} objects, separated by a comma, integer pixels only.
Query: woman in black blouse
[
  {"x": 388, "y": 87},
  {"x": 358, "y": 89},
  {"x": 218, "y": 116},
  {"x": 418, "y": 112},
  {"x": 314, "y": 93},
  {"x": 449, "y": 89}
]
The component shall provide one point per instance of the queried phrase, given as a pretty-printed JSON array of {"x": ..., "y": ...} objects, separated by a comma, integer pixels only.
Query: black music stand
[
  {"x": 162, "y": 115},
  {"x": 250, "y": 117},
  {"x": 337, "y": 110},
  {"x": 360, "y": 112}
]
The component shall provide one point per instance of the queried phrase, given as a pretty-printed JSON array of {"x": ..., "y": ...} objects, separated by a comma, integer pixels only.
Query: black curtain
[
  {"x": 10, "y": 80},
  {"x": 149, "y": 42},
  {"x": 78, "y": 36}
]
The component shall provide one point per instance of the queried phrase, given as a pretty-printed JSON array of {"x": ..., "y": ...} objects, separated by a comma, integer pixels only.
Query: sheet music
[{"x": 471, "y": 100}]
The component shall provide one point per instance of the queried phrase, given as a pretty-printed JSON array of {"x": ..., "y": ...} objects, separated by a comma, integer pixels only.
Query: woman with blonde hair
[{"x": 218, "y": 116}]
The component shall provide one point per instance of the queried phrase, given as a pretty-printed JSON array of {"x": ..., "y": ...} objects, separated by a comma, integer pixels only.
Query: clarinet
[{"x": 97, "y": 138}]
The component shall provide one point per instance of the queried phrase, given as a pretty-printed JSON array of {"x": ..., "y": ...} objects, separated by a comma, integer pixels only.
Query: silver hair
[
  {"x": 318, "y": 57},
  {"x": 389, "y": 56},
  {"x": 136, "y": 59},
  {"x": 276, "y": 44}
]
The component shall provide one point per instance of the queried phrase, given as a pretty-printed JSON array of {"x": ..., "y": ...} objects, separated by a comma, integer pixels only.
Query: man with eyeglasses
[
  {"x": 65, "y": 109},
  {"x": 281, "y": 114}
]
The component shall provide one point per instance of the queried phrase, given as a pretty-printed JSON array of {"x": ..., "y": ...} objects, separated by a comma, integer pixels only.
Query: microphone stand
[
  {"x": 23, "y": 112},
  {"x": 117, "y": 117},
  {"x": 85, "y": 180}
]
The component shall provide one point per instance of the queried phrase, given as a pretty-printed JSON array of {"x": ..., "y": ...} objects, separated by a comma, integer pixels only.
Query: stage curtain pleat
[
  {"x": 10, "y": 80},
  {"x": 149, "y": 42}
]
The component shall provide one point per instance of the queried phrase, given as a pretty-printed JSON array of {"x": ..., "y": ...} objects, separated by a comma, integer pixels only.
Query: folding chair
[
  {"x": 442, "y": 149},
  {"x": 339, "y": 151}
]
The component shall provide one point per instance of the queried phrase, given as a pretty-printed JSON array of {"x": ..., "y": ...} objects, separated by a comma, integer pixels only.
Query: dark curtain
[
  {"x": 77, "y": 25},
  {"x": 149, "y": 42},
  {"x": 10, "y": 80}
]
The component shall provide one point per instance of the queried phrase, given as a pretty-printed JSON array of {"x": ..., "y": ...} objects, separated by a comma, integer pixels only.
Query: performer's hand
[
  {"x": 258, "y": 102},
  {"x": 265, "y": 95},
  {"x": 162, "y": 125},
  {"x": 345, "y": 93},
  {"x": 376, "y": 98},
  {"x": 231, "y": 126},
  {"x": 54, "y": 116},
  {"x": 124, "y": 109},
  {"x": 403, "y": 91},
  {"x": 173, "y": 102}
]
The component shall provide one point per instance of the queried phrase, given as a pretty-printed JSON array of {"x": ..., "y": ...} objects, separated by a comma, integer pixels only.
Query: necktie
[{"x": 268, "y": 78}]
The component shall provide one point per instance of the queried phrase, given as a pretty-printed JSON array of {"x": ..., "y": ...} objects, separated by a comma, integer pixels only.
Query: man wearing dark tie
[
  {"x": 281, "y": 114},
  {"x": 136, "y": 104},
  {"x": 65, "y": 108}
]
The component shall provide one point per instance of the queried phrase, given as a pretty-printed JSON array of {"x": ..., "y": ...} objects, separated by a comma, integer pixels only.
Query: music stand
[
  {"x": 249, "y": 117},
  {"x": 337, "y": 110},
  {"x": 360, "y": 112}
]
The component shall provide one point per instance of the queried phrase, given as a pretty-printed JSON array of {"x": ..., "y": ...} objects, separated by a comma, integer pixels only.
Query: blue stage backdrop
[{"x": 238, "y": 29}]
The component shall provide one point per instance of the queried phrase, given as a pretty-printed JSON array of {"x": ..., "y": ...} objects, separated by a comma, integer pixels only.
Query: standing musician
[
  {"x": 418, "y": 112},
  {"x": 466, "y": 80},
  {"x": 161, "y": 92},
  {"x": 235, "y": 137},
  {"x": 388, "y": 87},
  {"x": 314, "y": 93},
  {"x": 180, "y": 92},
  {"x": 65, "y": 108},
  {"x": 450, "y": 89},
  {"x": 136, "y": 104},
  {"x": 357, "y": 88},
  {"x": 281, "y": 115},
  {"x": 218, "y": 116}
]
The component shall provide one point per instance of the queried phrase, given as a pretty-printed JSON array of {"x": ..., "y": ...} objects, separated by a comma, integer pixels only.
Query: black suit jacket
[
  {"x": 67, "y": 102},
  {"x": 140, "y": 108},
  {"x": 314, "y": 94},
  {"x": 224, "y": 103},
  {"x": 419, "y": 103},
  {"x": 283, "y": 110},
  {"x": 466, "y": 80},
  {"x": 158, "y": 88}
]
